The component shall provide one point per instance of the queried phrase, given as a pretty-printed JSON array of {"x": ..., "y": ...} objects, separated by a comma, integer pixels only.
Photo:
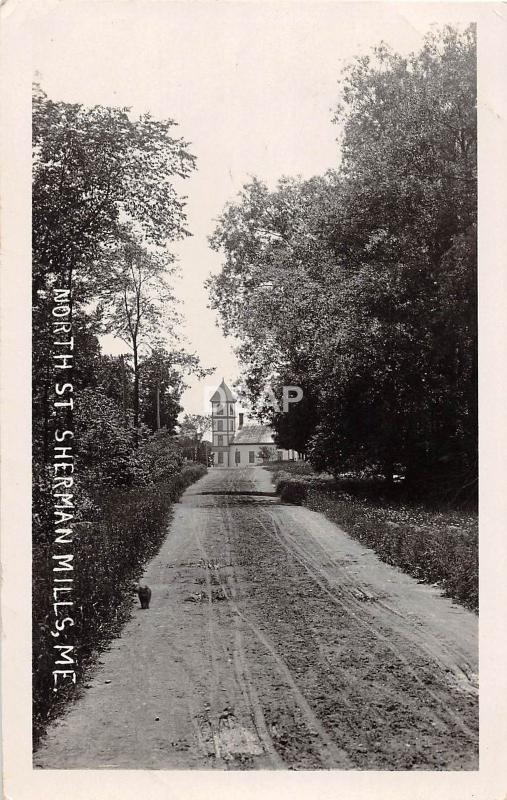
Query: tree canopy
[
  {"x": 360, "y": 285},
  {"x": 106, "y": 208}
]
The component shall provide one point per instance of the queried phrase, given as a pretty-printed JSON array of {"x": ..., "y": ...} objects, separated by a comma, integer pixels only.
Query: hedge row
[
  {"x": 292, "y": 491},
  {"x": 124, "y": 530}
]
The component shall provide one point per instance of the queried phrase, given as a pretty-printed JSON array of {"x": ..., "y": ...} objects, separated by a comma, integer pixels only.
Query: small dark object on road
[{"x": 144, "y": 594}]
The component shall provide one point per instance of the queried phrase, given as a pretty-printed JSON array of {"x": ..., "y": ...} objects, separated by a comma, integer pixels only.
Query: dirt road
[{"x": 275, "y": 641}]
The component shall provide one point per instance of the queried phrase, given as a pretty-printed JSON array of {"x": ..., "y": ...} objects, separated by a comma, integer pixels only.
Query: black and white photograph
[{"x": 254, "y": 389}]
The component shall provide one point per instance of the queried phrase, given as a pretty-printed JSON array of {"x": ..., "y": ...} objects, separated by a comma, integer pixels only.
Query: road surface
[{"x": 275, "y": 641}]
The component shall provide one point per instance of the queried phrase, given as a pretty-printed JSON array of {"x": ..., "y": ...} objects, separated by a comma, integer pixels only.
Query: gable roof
[
  {"x": 223, "y": 394},
  {"x": 254, "y": 434}
]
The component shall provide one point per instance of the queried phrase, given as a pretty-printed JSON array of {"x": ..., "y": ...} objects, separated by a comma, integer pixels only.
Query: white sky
[{"x": 252, "y": 86}]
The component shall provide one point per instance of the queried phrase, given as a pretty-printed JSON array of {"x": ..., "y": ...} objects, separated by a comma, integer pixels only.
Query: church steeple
[
  {"x": 223, "y": 394},
  {"x": 223, "y": 423}
]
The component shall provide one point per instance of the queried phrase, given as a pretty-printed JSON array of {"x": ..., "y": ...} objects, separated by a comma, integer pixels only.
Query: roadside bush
[
  {"x": 159, "y": 458},
  {"x": 291, "y": 491},
  {"x": 124, "y": 529},
  {"x": 289, "y": 468},
  {"x": 192, "y": 473},
  {"x": 104, "y": 444}
]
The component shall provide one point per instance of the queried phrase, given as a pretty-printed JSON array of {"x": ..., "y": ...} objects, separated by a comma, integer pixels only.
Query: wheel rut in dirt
[{"x": 231, "y": 493}]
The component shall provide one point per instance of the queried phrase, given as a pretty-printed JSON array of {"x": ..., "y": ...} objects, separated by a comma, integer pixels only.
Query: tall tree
[
  {"x": 97, "y": 172},
  {"x": 193, "y": 427},
  {"x": 362, "y": 284},
  {"x": 138, "y": 303},
  {"x": 163, "y": 375},
  {"x": 93, "y": 170}
]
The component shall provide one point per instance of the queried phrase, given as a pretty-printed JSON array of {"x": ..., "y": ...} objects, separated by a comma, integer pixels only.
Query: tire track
[
  {"x": 354, "y": 609},
  {"x": 464, "y": 675},
  {"x": 331, "y": 754},
  {"x": 240, "y": 674}
]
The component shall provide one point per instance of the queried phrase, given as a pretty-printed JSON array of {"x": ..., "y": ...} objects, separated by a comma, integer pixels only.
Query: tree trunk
[
  {"x": 136, "y": 395},
  {"x": 388, "y": 471},
  {"x": 123, "y": 388},
  {"x": 158, "y": 404}
]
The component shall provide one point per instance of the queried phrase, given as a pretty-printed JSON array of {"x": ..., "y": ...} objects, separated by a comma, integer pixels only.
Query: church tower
[{"x": 223, "y": 424}]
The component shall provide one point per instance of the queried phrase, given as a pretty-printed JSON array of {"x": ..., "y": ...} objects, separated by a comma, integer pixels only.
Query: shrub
[
  {"x": 125, "y": 528},
  {"x": 159, "y": 458},
  {"x": 104, "y": 444},
  {"x": 290, "y": 491},
  {"x": 290, "y": 468},
  {"x": 192, "y": 473}
]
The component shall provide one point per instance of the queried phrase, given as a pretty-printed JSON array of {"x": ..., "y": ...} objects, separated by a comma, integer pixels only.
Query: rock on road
[{"x": 276, "y": 641}]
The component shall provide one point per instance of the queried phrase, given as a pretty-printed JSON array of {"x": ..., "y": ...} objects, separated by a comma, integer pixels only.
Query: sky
[{"x": 252, "y": 86}]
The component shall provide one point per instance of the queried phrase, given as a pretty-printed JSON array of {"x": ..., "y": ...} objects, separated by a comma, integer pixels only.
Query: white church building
[{"x": 238, "y": 444}]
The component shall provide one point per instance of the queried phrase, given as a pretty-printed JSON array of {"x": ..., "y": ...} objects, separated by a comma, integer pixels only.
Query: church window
[
  {"x": 220, "y": 440},
  {"x": 251, "y": 457},
  {"x": 220, "y": 457},
  {"x": 220, "y": 425},
  {"x": 238, "y": 456}
]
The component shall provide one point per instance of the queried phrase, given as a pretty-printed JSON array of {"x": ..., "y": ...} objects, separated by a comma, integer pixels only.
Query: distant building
[{"x": 244, "y": 445}]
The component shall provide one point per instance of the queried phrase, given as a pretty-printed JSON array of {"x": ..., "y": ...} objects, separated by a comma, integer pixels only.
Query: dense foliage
[
  {"x": 105, "y": 210},
  {"x": 360, "y": 285},
  {"x": 192, "y": 430},
  {"x": 291, "y": 491},
  {"x": 105, "y": 207}
]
